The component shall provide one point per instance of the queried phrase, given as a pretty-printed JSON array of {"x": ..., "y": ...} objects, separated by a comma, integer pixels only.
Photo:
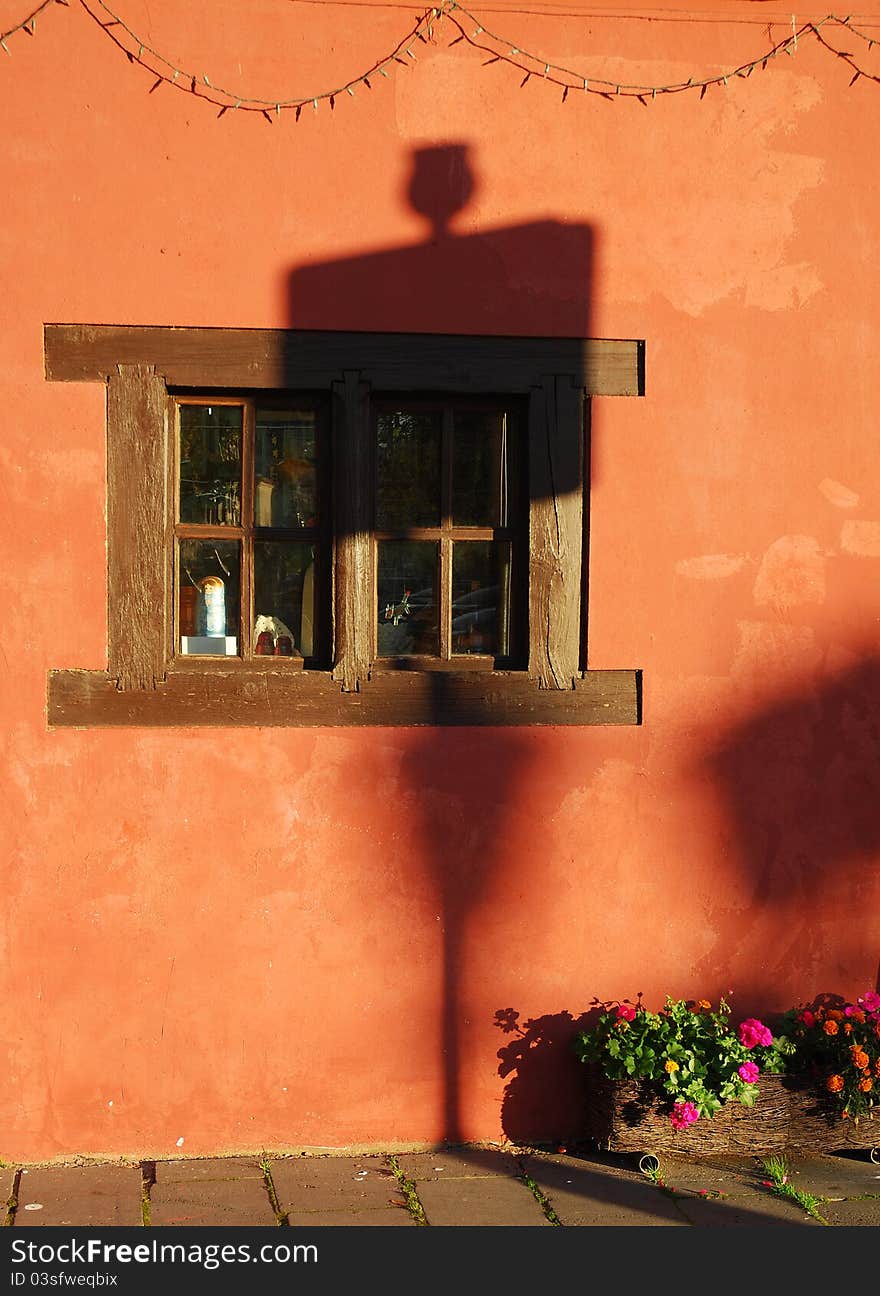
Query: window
[
  {"x": 317, "y": 528},
  {"x": 450, "y": 530},
  {"x": 251, "y": 550}
]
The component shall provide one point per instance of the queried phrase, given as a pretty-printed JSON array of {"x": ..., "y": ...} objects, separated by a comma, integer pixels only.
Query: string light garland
[
  {"x": 470, "y": 31},
  {"x": 500, "y": 50},
  {"x": 28, "y": 25}
]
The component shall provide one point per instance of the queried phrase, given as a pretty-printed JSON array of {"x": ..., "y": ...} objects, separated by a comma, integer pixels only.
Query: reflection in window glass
[
  {"x": 284, "y": 599},
  {"x": 285, "y": 463},
  {"x": 480, "y": 468},
  {"x": 210, "y": 464},
  {"x": 407, "y": 603},
  {"x": 481, "y": 597},
  {"x": 209, "y": 599},
  {"x": 408, "y": 469}
]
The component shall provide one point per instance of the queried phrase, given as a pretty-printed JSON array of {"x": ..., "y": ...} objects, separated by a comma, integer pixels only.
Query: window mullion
[
  {"x": 247, "y": 523},
  {"x": 445, "y": 556}
]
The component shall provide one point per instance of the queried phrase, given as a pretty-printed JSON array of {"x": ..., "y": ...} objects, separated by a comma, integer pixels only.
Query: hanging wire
[{"x": 471, "y": 31}]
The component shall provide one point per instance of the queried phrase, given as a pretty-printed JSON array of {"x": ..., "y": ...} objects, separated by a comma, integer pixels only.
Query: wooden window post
[
  {"x": 353, "y": 576},
  {"x": 556, "y": 420},
  {"x": 137, "y": 527}
]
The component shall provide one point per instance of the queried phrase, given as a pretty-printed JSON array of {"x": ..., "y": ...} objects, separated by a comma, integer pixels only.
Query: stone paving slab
[
  {"x": 93, "y": 1196},
  {"x": 503, "y": 1203},
  {"x": 464, "y": 1187},
  {"x": 848, "y": 1179},
  {"x": 460, "y": 1163},
  {"x": 472, "y": 1188},
  {"x": 855, "y": 1213},
  {"x": 338, "y": 1190},
  {"x": 832, "y": 1176},
  {"x": 582, "y": 1192},
  {"x": 219, "y": 1192}
]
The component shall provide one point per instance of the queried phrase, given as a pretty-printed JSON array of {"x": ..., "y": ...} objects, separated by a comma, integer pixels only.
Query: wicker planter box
[{"x": 628, "y": 1116}]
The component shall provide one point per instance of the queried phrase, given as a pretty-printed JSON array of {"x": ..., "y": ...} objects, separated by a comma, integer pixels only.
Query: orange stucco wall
[{"x": 225, "y": 939}]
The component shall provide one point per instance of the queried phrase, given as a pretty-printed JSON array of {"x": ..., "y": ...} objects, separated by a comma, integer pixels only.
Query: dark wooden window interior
[
  {"x": 450, "y": 530},
  {"x": 264, "y": 489}
]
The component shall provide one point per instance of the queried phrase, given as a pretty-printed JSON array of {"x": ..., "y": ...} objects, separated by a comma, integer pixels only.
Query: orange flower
[
  {"x": 830, "y": 1027},
  {"x": 834, "y": 1014},
  {"x": 857, "y": 1015},
  {"x": 847, "y": 1028},
  {"x": 704, "y": 1003},
  {"x": 835, "y": 1083},
  {"x": 859, "y": 1057},
  {"x": 866, "y": 1085}
]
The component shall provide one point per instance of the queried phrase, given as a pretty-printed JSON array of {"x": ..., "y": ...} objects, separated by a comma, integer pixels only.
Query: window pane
[
  {"x": 209, "y": 608},
  {"x": 480, "y": 468},
  {"x": 481, "y": 597},
  {"x": 407, "y": 587},
  {"x": 285, "y": 463},
  {"x": 210, "y": 464},
  {"x": 284, "y": 598},
  {"x": 408, "y": 465}
]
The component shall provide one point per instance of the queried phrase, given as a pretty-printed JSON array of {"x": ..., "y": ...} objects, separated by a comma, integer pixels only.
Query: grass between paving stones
[
  {"x": 408, "y": 1189},
  {"x": 777, "y": 1168},
  {"x": 281, "y": 1216},
  {"x": 12, "y": 1201},
  {"x": 539, "y": 1197},
  {"x": 148, "y": 1178}
]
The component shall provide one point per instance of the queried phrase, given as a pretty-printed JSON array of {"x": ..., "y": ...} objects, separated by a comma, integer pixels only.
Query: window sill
[{"x": 305, "y": 698}]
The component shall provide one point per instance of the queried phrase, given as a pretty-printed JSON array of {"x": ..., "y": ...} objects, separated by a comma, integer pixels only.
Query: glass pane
[
  {"x": 284, "y": 599},
  {"x": 408, "y": 464},
  {"x": 209, "y": 607},
  {"x": 407, "y": 587},
  {"x": 480, "y": 468},
  {"x": 481, "y": 597},
  {"x": 285, "y": 468},
  {"x": 210, "y": 464}
]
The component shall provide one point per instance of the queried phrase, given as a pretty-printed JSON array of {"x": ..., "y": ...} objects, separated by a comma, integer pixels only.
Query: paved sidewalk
[{"x": 465, "y": 1187}]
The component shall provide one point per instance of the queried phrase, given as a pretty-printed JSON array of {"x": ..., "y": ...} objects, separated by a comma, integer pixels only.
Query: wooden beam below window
[{"x": 220, "y": 699}]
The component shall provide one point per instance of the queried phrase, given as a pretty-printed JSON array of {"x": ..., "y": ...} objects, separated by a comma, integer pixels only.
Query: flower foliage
[
  {"x": 689, "y": 1051},
  {"x": 838, "y": 1048}
]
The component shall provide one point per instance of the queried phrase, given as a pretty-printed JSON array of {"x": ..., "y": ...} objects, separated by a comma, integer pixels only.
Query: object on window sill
[
  {"x": 268, "y": 630},
  {"x": 209, "y": 645},
  {"x": 214, "y": 594}
]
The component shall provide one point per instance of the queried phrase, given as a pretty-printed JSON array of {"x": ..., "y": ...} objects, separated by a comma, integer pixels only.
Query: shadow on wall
[
  {"x": 799, "y": 784},
  {"x": 528, "y": 280},
  {"x": 544, "y": 1098}
]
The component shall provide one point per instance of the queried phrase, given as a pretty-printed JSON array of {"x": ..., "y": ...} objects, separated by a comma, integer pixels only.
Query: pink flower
[
  {"x": 870, "y": 1001},
  {"x": 752, "y": 1032},
  {"x": 627, "y": 1012},
  {"x": 808, "y": 1018},
  {"x": 748, "y": 1072},
  {"x": 683, "y": 1115}
]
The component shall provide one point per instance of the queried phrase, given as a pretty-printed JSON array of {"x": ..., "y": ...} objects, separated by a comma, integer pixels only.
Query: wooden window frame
[
  {"x": 446, "y": 533},
  {"x": 248, "y": 533},
  {"x": 145, "y": 684}
]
